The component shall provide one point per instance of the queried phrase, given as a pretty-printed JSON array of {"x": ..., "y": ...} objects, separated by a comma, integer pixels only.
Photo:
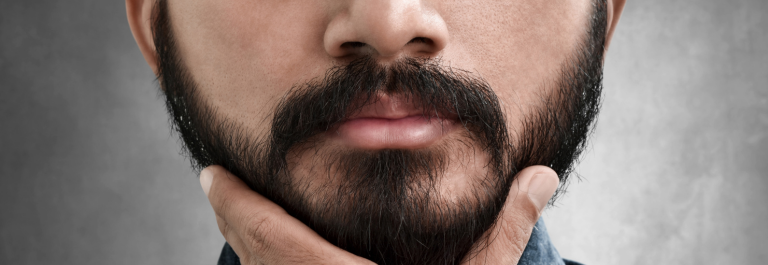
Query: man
[{"x": 394, "y": 132}]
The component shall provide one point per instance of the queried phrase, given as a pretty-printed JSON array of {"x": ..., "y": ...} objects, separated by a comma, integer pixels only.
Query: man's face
[
  {"x": 245, "y": 55},
  {"x": 390, "y": 127}
]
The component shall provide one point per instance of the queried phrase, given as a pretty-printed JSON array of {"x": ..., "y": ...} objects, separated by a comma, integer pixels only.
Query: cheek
[
  {"x": 245, "y": 55},
  {"x": 522, "y": 53}
]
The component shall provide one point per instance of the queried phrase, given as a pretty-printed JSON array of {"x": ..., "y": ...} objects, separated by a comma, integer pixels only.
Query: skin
[{"x": 246, "y": 54}]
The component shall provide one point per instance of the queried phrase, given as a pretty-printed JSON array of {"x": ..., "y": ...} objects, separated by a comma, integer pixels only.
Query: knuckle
[
  {"x": 260, "y": 228},
  {"x": 223, "y": 204},
  {"x": 516, "y": 233}
]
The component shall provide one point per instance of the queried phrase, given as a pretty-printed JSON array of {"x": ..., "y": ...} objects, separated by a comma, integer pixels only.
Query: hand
[
  {"x": 529, "y": 194},
  {"x": 261, "y": 232}
]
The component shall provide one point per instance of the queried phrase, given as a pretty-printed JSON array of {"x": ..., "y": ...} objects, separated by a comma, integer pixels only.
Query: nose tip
[{"x": 386, "y": 29}]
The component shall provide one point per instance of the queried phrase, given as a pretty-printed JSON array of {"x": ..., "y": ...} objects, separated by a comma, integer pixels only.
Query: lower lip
[{"x": 411, "y": 132}]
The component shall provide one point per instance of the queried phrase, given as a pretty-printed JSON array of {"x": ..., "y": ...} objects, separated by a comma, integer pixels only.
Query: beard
[{"x": 387, "y": 205}]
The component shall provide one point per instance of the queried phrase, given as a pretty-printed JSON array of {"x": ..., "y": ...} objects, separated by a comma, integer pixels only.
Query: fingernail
[
  {"x": 541, "y": 188},
  {"x": 206, "y": 178}
]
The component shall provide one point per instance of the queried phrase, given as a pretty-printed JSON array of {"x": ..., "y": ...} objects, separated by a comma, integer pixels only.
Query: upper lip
[{"x": 386, "y": 106}]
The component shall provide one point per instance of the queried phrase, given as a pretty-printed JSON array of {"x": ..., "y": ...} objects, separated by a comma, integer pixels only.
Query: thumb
[{"x": 540, "y": 184}]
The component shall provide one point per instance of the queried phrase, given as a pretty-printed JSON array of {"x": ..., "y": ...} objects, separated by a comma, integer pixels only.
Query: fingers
[
  {"x": 538, "y": 183},
  {"x": 260, "y": 231},
  {"x": 233, "y": 200},
  {"x": 505, "y": 242}
]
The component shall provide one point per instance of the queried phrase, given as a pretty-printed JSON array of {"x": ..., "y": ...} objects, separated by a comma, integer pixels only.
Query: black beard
[{"x": 385, "y": 206}]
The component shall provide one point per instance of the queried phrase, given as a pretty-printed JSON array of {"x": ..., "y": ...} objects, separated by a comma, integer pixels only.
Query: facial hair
[{"x": 383, "y": 205}]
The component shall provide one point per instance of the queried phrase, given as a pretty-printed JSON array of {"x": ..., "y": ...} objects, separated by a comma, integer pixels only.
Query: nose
[{"x": 385, "y": 29}]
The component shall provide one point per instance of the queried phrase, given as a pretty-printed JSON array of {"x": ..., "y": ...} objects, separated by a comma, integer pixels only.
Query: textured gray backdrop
[{"x": 676, "y": 173}]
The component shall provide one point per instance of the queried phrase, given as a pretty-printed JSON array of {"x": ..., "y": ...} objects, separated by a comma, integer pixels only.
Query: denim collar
[{"x": 540, "y": 250}]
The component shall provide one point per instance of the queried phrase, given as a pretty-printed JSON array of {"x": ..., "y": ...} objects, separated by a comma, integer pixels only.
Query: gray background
[{"x": 676, "y": 173}]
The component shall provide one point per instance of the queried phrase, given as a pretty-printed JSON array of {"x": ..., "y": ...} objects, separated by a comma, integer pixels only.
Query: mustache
[
  {"x": 389, "y": 190},
  {"x": 320, "y": 104}
]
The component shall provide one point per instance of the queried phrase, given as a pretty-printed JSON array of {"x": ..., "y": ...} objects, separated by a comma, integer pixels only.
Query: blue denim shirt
[{"x": 539, "y": 251}]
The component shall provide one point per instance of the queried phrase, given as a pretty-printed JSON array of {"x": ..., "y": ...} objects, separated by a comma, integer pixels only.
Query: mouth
[{"x": 392, "y": 122}]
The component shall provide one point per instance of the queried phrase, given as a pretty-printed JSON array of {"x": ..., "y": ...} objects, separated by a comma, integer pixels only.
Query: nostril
[
  {"x": 352, "y": 44},
  {"x": 426, "y": 41}
]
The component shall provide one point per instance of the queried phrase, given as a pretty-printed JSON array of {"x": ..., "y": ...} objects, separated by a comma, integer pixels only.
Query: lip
[
  {"x": 392, "y": 122},
  {"x": 411, "y": 132}
]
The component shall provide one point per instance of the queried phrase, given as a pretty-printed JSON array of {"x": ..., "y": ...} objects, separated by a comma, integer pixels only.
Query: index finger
[{"x": 232, "y": 199}]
